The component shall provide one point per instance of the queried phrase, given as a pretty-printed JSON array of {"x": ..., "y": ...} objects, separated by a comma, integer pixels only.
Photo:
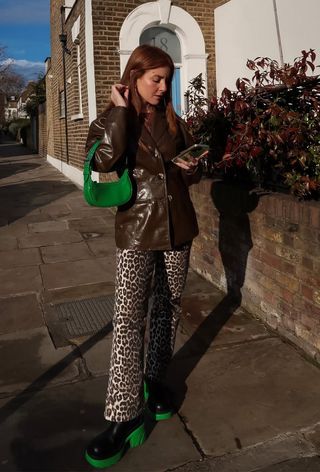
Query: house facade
[
  {"x": 266, "y": 247},
  {"x": 10, "y": 108},
  {"x": 91, "y": 41}
]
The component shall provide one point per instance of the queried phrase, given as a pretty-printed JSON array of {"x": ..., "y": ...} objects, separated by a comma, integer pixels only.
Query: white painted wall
[
  {"x": 73, "y": 173},
  {"x": 245, "y": 29},
  {"x": 299, "y": 22}
]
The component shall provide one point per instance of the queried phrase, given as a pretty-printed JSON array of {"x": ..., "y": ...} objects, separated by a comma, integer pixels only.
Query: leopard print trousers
[{"x": 166, "y": 271}]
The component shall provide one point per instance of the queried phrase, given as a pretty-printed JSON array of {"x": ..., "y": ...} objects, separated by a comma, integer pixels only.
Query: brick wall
[
  {"x": 42, "y": 130},
  {"x": 77, "y": 129},
  {"x": 106, "y": 39},
  {"x": 107, "y": 17},
  {"x": 269, "y": 248},
  {"x": 49, "y": 114}
]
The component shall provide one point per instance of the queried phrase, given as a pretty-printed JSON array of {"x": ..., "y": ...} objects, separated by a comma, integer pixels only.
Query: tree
[
  {"x": 11, "y": 83},
  {"x": 37, "y": 95}
]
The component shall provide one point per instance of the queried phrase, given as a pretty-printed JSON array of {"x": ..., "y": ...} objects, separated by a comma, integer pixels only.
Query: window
[
  {"x": 68, "y": 6},
  {"x": 167, "y": 40},
  {"x": 169, "y": 20},
  {"x": 76, "y": 72},
  {"x": 62, "y": 104},
  {"x": 78, "y": 92},
  {"x": 164, "y": 39}
]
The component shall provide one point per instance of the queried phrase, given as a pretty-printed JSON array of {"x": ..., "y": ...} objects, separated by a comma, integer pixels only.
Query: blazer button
[
  {"x": 170, "y": 198},
  {"x": 161, "y": 176}
]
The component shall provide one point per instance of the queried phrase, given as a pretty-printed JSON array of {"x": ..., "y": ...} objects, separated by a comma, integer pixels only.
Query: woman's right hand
[{"x": 120, "y": 95}]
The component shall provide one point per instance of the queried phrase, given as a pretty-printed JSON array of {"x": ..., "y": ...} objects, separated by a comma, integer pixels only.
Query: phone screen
[{"x": 196, "y": 151}]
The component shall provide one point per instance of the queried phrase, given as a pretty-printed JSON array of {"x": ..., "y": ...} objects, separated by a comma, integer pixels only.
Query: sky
[{"x": 25, "y": 32}]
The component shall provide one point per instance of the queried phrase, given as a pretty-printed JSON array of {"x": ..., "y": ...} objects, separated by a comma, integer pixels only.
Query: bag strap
[
  {"x": 87, "y": 163},
  {"x": 87, "y": 168}
]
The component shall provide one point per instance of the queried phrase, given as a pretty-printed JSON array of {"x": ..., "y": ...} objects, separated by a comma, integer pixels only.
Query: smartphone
[{"x": 196, "y": 151}]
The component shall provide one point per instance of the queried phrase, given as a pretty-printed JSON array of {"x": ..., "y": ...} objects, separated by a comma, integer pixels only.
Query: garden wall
[
  {"x": 268, "y": 247},
  {"x": 42, "y": 130}
]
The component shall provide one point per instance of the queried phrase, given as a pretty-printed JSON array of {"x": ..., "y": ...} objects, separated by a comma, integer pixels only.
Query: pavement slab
[
  {"x": 45, "y": 226},
  {"x": 91, "y": 224},
  {"x": 97, "y": 356},
  {"x": 237, "y": 396},
  {"x": 8, "y": 242},
  {"x": 65, "y": 252},
  {"x": 19, "y": 217},
  {"x": 303, "y": 464},
  {"x": 36, "y": 363},
  {"x": 76, "y": 273},
  {"x": 30, "y": 195},
  {"x": 20, "y": 280},
  {"x": 77, "y": 202},
  {"x": 16, "y": 228},
  {"x": 74, "y": 416},
  {"x": 16, "y": 171},
  {"x": 56, "y": 210},
  {"x": 77, "y": 293},
  {"x": 20, "y": 258},
  {"x": 50, "y": 238},
  {"x": 20, "y": 313},
  {"x": 89, "y": 211},
  {"x": 223, "y": 329},
  {"x": 104, "y": 246},
  {"x": 300, "y": 464},
  {"x": 280, "y": 450}
]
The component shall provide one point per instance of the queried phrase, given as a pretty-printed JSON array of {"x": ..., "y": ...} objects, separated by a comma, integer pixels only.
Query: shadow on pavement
[
  {"x": 41, "y": 382},
  {"x": 10, "y": 148},
  {"x": 57, "y": 444},
  {"x": 235, "y": 243},
  {"x": 53, "y": 437},
  {"x": 17, "y": 200},
  {"x": 13, "y": 169}
]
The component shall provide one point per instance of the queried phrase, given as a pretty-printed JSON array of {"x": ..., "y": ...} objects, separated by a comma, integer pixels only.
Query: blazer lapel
[{"x": 157, "y": 137}]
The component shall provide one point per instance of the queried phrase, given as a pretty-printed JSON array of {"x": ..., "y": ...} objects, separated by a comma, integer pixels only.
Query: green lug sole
[
  {"x": 135, "y": 439},
  {"x": 156, "y": 416},
  {"x": 161, "y": 416}
]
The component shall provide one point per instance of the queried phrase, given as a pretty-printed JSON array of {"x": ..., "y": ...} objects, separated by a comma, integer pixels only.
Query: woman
[{"x": 153, "y": 232}]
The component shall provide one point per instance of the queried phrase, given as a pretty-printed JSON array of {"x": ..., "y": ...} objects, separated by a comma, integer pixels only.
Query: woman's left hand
[{"x": 190, "y": 167}]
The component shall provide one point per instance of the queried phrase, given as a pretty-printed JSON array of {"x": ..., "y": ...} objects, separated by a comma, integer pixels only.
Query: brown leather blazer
[{"x": 160, "y": 214}]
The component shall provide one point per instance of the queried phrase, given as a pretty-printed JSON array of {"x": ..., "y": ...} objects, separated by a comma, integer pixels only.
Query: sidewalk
[{"x": 247, "y": 400}]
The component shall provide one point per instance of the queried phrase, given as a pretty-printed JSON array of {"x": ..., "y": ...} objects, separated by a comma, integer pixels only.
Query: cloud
[
  {"x": 24, "y": 63},
  {"x": 6, "y": 62},
  {"x": 30, "y": 70},
  {"x": 24, "y": 11}
]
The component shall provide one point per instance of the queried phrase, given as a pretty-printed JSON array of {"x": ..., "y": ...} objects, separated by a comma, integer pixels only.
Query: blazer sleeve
[
  {"x": 111, "y": 128},
  {"x": 193, "y": 177}
]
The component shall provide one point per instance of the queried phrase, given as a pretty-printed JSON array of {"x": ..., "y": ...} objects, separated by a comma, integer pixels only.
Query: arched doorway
[
  {"x": 168, "y": 41},
  {"x": 174, "y": 24}
]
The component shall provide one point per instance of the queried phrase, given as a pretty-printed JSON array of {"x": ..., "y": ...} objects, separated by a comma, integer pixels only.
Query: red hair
[{"x": 142, "y": 59}]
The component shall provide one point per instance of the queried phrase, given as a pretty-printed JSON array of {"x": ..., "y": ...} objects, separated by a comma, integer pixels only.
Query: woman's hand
[
  {"x": 190, "y": 167},
  {"x": 120, "y": 95}
]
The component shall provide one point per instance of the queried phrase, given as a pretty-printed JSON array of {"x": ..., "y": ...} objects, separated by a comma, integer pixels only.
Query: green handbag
[{"x": 105, "y": 194}]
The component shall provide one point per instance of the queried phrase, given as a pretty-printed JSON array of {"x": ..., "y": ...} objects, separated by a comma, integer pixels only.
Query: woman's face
[{"x": 153, "y": 84}]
